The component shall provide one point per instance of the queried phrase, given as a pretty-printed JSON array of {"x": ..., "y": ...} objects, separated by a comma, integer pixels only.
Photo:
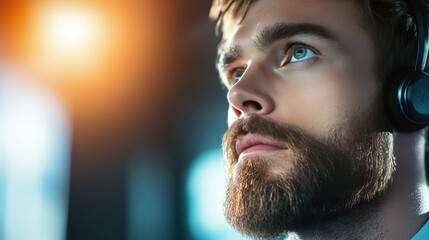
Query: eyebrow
[
  {"x": 228, "y": 55},
  {"x": 266, "y": 36}
]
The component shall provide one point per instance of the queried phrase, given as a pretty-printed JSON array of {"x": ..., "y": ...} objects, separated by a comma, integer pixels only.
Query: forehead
[{"x": 339, "y": 16}]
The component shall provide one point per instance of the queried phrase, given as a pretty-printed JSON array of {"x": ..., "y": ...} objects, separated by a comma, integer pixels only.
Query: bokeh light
[
  {"x": 68, "y": 38},
  {"x": 124, "y": 77},
  {"x": 34, "y": 156},
  {"x": 69, "y": 28}
]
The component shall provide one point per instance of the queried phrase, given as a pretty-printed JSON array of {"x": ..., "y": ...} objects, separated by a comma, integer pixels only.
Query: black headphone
[{"x": 408, "y": 93}]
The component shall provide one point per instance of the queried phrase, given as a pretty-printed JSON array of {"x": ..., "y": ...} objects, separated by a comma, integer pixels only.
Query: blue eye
[
  {"x": 302, "y": 53},
  {"x": 237, "y": 74}
]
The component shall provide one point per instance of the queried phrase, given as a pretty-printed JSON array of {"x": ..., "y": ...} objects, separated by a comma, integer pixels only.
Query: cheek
[
  {"x": 312, "y": 106},
  {"x": 322, "y": 102},
  {"x": 322, "y": 106}
]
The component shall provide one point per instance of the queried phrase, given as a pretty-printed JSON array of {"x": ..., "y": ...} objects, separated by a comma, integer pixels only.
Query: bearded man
[{"x": 328, "y": 108}]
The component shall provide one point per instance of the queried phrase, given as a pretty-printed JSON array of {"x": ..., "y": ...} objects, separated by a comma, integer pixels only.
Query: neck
[{"x": 398, "y": 214}]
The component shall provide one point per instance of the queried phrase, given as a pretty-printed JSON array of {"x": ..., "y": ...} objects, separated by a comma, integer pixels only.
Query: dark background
[
  {"x": 137, "y": 125},
  {"x": 173, "y": 109}
]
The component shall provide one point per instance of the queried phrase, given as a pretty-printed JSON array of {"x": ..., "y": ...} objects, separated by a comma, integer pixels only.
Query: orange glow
[
  {"x": 96, "y": 54},
  {"x": 69, "y": 29},
  {"x": 69, "y": 40},
  {"x": 83, "y": 42}
]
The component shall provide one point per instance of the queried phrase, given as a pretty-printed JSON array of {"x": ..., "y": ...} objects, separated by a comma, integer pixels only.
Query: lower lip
[{"x": 260, "y": 148}]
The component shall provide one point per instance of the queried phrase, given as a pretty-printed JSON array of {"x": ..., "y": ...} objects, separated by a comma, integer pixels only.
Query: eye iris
[
  {"x": 300, "y": 53},
  {"x": 238, "y": 74}
]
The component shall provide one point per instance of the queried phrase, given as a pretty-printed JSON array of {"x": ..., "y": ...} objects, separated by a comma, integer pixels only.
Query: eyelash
[
  {"x": 288, "y": 50},
  {"x": 231, "y": 75}
]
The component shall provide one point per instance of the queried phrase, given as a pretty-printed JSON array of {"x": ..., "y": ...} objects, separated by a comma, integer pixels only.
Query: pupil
[{"x": 300, "y": 53}]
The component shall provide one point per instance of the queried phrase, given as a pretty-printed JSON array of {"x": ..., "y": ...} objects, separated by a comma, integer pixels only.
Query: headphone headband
[
  {"x": 422, "y": 35},
  {"x": 408, "y": 89}
]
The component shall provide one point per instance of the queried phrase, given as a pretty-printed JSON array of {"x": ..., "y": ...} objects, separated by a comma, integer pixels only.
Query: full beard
[{"x": 313, "y": 181}]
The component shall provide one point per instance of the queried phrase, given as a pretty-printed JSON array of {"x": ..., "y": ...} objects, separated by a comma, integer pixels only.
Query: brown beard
[{"x": 316, "y": 180}]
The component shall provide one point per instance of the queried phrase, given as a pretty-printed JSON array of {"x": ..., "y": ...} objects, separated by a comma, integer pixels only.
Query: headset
[{"x": 408, "y": 92}]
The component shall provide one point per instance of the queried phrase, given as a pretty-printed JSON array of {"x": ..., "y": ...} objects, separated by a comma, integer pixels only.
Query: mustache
[{"x": 294, "y": 137}]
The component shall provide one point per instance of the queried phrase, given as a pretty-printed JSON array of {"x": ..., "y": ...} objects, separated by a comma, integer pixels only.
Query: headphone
[{"x": 408, "y": 93}]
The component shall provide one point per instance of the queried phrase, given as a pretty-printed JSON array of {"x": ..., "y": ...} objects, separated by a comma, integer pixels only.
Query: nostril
[{"x": 252, "y": 104}]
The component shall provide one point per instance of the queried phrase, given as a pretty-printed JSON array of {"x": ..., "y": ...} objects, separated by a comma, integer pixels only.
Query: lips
[{"x": 253, "y": 143}]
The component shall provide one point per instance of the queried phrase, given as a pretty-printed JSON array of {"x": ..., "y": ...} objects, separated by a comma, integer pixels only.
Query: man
[{"x": 313, "y": 151}]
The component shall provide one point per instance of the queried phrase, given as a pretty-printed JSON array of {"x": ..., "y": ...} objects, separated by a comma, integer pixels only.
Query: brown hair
[{"x": 232, "y": 8}]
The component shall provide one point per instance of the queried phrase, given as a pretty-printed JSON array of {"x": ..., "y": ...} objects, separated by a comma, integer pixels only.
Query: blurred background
[{"x": 111, "y": 117}]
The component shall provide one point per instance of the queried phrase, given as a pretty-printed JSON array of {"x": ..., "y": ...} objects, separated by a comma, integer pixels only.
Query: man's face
[{"x": 305, "y": 141}]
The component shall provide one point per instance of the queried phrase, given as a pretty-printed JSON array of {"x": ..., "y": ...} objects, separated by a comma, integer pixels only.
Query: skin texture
[{"x": 321, "y": 94}]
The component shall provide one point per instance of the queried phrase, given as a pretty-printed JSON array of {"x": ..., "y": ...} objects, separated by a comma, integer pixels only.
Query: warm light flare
[
  {"x": 69, "y": 28},
  {"x": 88, "y": 47},
  {"x": 70, "y": 40}
]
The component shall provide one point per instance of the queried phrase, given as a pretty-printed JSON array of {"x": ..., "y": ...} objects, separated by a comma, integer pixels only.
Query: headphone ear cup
[{"x": 408, "y": 100}]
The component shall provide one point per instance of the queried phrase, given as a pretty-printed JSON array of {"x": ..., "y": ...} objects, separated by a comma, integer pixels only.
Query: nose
[{"x": 251, "y": 94}]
